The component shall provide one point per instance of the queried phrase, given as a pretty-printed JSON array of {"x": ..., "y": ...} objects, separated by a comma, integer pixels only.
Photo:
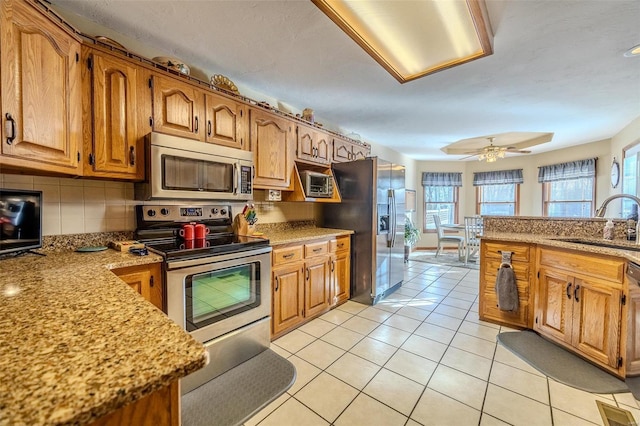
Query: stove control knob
[
  {"x": 151, "y": 213},
  {"x": 223, "y": 212},
  {"x": 164, "y": 212},
  {"x": 214, "y": 211}
]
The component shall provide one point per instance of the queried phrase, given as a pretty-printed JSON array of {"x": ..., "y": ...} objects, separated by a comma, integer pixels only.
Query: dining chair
[
  {"x": 447, "y": 238},
  {"x": 472, "y": 229}
]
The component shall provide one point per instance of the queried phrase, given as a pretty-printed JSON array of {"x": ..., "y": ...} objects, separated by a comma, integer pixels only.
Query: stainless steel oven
[{"x": 218, "y": 289}]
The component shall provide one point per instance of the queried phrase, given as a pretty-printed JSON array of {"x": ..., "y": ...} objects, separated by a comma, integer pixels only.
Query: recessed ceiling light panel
[{"x": 411, "y": 39}]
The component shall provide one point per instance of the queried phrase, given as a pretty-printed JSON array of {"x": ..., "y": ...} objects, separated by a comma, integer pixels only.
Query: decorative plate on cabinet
[
  {"x": 110, "y": 42},
  {"x": 222, "y": 82}
]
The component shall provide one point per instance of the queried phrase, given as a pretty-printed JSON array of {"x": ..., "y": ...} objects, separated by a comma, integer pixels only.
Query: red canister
[
  {"x": 201, "y": 231},
  {"x": 187, "y": 231}
]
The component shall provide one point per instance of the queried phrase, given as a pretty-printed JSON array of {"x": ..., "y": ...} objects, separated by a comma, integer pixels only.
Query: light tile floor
[{"x": 420, "y": 357}]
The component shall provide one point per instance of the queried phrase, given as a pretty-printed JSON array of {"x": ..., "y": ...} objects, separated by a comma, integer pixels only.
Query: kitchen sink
[{"x": 609, "y": 244}]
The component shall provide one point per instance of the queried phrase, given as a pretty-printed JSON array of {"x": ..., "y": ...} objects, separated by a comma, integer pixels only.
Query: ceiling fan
[{"x": 491, "y": 152}]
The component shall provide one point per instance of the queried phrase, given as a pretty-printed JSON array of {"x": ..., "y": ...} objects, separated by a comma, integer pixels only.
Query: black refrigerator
[{"x": 373, "y": 200}]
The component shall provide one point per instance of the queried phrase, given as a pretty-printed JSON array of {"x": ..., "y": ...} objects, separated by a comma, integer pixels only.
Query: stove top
[{"x": 158, "y": 227}]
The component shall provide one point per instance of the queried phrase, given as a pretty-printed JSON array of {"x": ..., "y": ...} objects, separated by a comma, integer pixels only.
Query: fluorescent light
[{"x": 411, "y": 39}]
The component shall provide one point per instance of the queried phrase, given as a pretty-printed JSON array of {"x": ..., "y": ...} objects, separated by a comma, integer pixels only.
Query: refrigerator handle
[{"x": 393, "y": 230}]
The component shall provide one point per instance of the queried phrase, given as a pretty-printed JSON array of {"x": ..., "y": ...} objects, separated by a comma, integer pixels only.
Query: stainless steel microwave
[
  {"x": 317, "y": 184},
  {"x": 178, "y": 168}
]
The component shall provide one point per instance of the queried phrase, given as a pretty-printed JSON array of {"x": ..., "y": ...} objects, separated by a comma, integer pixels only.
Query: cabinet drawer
[
  {"x": 524, "y": 287},
  {"x": 316, "y": 249},
  {"x": 340, "y": 244},
  {"x": 288, "y": 254},
  {"x": 494, "y": 250},
  {"x": 491, "y": 311},
  {"x": 607, "y": 268}
]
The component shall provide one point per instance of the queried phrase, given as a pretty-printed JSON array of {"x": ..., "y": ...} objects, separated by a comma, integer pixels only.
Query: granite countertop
[
  {"x": 76, "y": 342},
  {"x": 294, "y": 235},
  {"x": 557, "y": 241}
]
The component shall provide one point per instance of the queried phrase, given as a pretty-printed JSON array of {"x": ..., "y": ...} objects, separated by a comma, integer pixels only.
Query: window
[
  {"x": 568, "y": 189},
  {"x": 441, "y": 198},
  {"x": 631, "y": 180},
  {"x": 498, "y": 192}
]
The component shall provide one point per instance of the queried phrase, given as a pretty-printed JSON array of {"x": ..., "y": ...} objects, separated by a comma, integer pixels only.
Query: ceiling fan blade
[
  {"x": 469, "y": 156},
  {"x": 518, "y": 151}
]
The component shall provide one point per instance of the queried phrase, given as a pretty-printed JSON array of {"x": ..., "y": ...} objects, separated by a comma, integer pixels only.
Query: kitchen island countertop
[
  {"x": 558, "y": 241},
  {"x": 76, "y": 342}
]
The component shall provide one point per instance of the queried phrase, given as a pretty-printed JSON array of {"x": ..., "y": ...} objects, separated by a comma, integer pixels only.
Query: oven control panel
[{"x": 183, "y": 213}]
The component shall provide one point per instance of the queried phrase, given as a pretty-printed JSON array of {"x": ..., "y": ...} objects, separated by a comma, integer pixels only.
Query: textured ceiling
[{"x": 557, "y": 67}]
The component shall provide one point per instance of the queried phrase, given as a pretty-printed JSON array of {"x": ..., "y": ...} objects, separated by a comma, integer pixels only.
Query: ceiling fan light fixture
[
  {"x": 414, "y": 39},
  {"x": 634, "y": 51}
]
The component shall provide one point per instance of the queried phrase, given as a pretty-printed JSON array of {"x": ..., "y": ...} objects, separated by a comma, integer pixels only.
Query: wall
[{"x": 531, "y": 190}]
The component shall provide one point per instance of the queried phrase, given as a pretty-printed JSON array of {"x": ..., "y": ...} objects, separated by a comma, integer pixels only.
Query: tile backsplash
[{"x": 77, "y": 206}]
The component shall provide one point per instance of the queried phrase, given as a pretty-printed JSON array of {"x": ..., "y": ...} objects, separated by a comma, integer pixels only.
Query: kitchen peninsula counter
[
  {"x": 557, "y": 241},
  {"x": 76, "y": 342}
]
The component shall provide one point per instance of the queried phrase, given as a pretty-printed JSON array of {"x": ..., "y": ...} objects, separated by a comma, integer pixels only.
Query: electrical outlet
[{"x": 273, "y": 195}]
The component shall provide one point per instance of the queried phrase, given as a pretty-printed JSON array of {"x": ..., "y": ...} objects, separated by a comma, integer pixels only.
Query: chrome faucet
[{"x": 603, "y": 208}]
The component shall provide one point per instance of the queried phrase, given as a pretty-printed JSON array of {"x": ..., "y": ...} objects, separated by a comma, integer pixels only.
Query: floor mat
[
  {"x": 560, "y": 364},
  {"x": 238, "y": 394},
  {"x": 446, "y": 259}
]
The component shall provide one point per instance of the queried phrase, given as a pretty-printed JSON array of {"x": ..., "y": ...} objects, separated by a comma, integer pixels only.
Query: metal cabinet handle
[
  {"x": 308, "y": 274},
  {"x": 317, "y": 250},
  {"x": 277, "y": 284},
  {"x": 568, "y": 290},
  {"x": 287, "y": 256},
  {"x": 10, "y": 128},
  {"x": 333, "y": 265},
  {"x": 575, "y": 293},
  {"x": 132, "y": 156},
  {"x": 208, "y": 127},
  {"x": 196, "y": 128}
]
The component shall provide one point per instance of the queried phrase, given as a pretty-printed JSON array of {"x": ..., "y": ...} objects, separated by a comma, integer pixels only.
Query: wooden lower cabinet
[
  {"x": 581, "y": 307},
  {"x": 307, "y": 280},
  {"x": 287, "y": 296},
  {"x": 521, "y": 261},
  {"x": 146, "y": 280},
  {"x": 340, "y": 270},
  {"x": 161, "y": 408}
]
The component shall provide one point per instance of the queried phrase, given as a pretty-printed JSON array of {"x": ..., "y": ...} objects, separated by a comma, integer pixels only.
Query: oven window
[
  {"x": 188, "y": 174},
  {"x": 220, "y": 294}
]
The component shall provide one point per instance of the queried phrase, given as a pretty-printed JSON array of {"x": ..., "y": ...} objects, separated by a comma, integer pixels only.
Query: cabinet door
[
  {"x": 342, "y": 150},
  {"x": 146, "y": 280},
  {"x": 633, "y": 331},
  {"x": 317, "y": 287},
  {"x": 554, "y": 305},
  {"x": 113, "y": 142},
  {"x": 288, "y": 296},
  {"x": 306, "y": 144},
  {"x": 341, "y": 272},
  {"x": 360, "y": 152},
  {"x": 271, "y": 143},
  {"x": 596, "y": 320},
  {"x": 323, "y": 148},
  {"x": 41, "y": 91},
  {"x": 227, "y": 122},
  {"x": 177, "y": 108}
]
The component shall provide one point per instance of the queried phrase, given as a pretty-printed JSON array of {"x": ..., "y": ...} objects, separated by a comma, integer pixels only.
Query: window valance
[
  {"x": 441, "y": 179},
  {"x": 497, "y": 177},
  {"x": 571, "y": 170}
]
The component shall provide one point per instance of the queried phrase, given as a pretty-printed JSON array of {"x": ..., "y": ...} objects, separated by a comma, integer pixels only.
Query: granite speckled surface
[
  {"x": 298, "y": 232},
  {"x": 76, "y": 342},
  {"x": 556, "y": 240},
  {"x": 570, "y": 227}
]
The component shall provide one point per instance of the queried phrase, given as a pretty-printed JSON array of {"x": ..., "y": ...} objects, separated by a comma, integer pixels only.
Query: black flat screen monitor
[{"x": 20, "y": 220}]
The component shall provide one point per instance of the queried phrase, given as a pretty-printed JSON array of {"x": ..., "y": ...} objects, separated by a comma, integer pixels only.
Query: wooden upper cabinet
[
  {"x": 178, "y": 108},
  {"x": 41, "y": 91},
  {"x": 344, "y": 150},
  {"x": 313, "y": 146},
  {"x": 227, "y": 122},
  {"x": 272, "y": 145},
  {"x": 113, "y": 133}
]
